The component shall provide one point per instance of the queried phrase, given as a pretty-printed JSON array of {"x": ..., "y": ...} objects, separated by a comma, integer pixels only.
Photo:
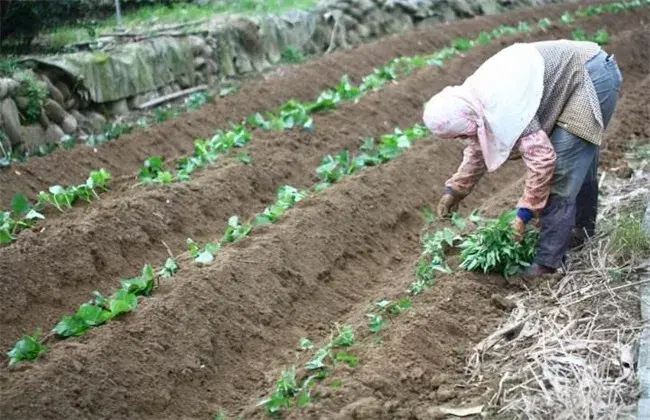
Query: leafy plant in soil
[
  {"x": 153, "y": 171},
  {"x": 287, "y": 197},
  {"x": 27, "y": 348},
  {"x": 204, "y": 256},
  {"x": 493, "y": 249},
  {"x": 286, "y": 391},
  {"x": 101, "y": 310},
  {"x": 25, "y": 215}
]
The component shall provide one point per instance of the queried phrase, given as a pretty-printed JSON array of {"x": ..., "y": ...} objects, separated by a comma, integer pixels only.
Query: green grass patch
[
  {"x": 174, "y": 14},
  {"x": 628, "y": 239}
]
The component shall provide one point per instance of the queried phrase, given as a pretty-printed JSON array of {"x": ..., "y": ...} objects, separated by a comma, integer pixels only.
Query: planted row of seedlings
[
  {"x": 94, "y": 313},
  {"x": 26, "y": 215},
  {"x": 489, "y": 248},
  {"x": 101, "y": 310},
  {"x": 114, "y": 130},
  {"x": 296, "y": 114}
]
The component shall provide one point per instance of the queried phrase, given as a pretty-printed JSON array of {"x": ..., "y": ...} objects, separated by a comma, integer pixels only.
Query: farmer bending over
[{"x": 549, "y": 102}]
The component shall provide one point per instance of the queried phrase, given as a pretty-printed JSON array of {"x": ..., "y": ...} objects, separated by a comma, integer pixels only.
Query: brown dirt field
[
  {"x": 114, "y": 237},
  {"x": 237, "y": 316},
  {"x": 217, "y": 336},
  {"x": 172, "y": 139}
]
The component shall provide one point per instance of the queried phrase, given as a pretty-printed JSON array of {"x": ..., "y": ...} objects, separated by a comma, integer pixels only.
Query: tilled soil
[{"x": 217, "y": 336}]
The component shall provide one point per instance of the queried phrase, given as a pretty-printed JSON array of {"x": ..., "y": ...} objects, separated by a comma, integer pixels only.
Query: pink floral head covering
[{"x": 494, "y": 105}]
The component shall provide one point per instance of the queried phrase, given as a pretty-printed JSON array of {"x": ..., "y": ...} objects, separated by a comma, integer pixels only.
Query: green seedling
[
  {"x": 287, "y": 197},
  {"x": 343, "y": 357},
  {"x": 170, "y": 268},
  {"x": 27, "y": 348},
  {"x": 376, "y": 323},
  {"x": 394, "y": 308},
  {"x": 306, "y": 344},
  {"x": 236, "y": 230},
  {"x": 153, "y": 171}
]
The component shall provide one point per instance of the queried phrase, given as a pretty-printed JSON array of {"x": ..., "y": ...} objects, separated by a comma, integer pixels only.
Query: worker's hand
[
  {"x": 447, "y": 205},
  {"x": 519, "y": 226}
]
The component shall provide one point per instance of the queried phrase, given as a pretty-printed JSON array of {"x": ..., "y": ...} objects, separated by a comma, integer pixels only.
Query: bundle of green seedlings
[
  {"x": 96, "y": 312},
  {"x": 25, "y": 215},
  {"x": 491, "y": 247}
]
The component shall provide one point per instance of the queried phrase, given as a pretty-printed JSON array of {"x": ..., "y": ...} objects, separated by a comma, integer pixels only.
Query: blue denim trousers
[{"x": 573, "y": 201}]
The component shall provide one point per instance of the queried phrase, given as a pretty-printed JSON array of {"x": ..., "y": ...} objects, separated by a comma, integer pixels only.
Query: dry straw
[{"x": 567, "y": 350}]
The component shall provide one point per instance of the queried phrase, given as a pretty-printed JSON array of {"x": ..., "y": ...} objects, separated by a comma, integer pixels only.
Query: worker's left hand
[{"x": 519, "y": 226}]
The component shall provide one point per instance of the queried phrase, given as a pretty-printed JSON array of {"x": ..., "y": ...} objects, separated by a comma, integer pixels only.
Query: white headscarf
[{"x": 495, "y": 104}]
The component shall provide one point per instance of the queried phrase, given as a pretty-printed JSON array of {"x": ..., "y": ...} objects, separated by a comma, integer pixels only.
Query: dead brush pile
[{"x": 568, "y": 349}]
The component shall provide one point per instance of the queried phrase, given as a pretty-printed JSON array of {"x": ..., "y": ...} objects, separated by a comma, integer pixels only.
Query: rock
[
  {"x": 197, "y": 44},
  {"x": 212, "y": 67},
  {"x": 52, "y": 90},
  {"x": 243, "y": 64},
  {"x": 445, "y": 393},
  {"x": 12, "y": 86},
  {"x": 11, "y": 121},
  {"x": 22, "y": 103},
  {"x": 354, "y": 38},
  {"x": 184, "y": 81},
  {"x": 208, "y": 51},
  {"x": 199, "y": 79},
  {"x": 84, "y": 123},
  {"x": 54, "y": 111},
  {"x": 33, "y": 136},
  {"x": 97, "y": 120},
  {"x": 363, "y": 31},
  {"x": 503, "y": 303},
  {"x": 63, "y": 88},
  {"x": 119, "y": 107},
  {"x": 400, "y": 22},
  {"x": 71, "y": 103},
  {"x": 53, "y": 133},
  {"x": 199, "y": 62},
  {"x": 365, "y": 408},
  {"x": 43, "y": 119},
  {"x": 434, "y": 20},
  {"x": 349, "y": 22},
  {"x": 137, "y": 100},
  {"x": 69, "y": 125},
  {"x": 165, "y": 90},
  {"x": 5, "y": 86}
]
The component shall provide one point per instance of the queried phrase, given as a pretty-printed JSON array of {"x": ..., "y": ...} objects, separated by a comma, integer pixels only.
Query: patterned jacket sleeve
[
  {"x": 469, "y": 172},
  {"x": 539, "y": 156}
]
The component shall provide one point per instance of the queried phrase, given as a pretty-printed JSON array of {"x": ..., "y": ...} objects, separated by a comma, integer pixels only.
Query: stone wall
[{"x": 76, "y": 93}]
